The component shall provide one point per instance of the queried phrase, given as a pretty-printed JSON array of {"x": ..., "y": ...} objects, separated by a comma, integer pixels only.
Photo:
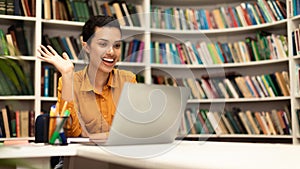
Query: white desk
[
  {"x": 212, "y": 155},
  {"x": 185, "y": 154},
  {"x": 34, "y": 155}
]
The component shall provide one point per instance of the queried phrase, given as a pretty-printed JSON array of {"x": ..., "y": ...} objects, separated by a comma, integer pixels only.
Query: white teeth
[{"x": 108, "y": 59}]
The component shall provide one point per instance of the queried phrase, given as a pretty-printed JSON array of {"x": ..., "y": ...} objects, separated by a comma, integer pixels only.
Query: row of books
[
  {"x": 81, "y": 10},
  {"x": 297, "y": 75},
  {"x": 232, "y": 86},
  {"x": 76, "y": 10},
  {"x": 18, "y": 7},
  {"x": 128, "y": 14},
  {"x": 294, "y": 7},
  {"x": 132, "y": 51},
  {"x": 236, "y": 121},
  {"x": 15, "y": 77},
  {"x": 13, "y": 42},
  {"x": 69, "y": 44},
  {"x": 244, "y": 14},
  {"x": 298, "y": 116},
  {"x": 262, "y": 47},
  {"x": 296, "y": 41},
  {"x": 49, "y": 81},
  {"x": 16, "y": 123}
]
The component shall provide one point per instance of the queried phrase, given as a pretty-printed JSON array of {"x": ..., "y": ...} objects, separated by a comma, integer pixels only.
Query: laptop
[{"x": 147, "y": 114}]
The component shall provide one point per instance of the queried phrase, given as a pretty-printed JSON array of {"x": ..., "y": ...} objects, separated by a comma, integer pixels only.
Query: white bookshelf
[{"x": 147, "y": 34}]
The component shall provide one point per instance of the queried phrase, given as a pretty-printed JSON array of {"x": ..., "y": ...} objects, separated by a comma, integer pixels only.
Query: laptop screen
[{"x": 148, "y": 114}]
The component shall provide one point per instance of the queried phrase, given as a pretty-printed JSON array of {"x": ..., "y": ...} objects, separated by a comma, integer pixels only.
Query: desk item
[
  {"x": 147, "y": 114},
  {"x": 58, "y": 135},
  {"x": 16, "y": 141}
]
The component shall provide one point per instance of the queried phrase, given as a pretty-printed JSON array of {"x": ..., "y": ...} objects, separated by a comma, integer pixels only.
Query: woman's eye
[
  {"x": 117, "y": 46},
  {"x": 103, "y": 44}
]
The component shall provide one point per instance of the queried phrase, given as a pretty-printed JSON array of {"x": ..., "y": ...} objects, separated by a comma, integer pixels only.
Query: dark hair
[{"x": 88, "y": 29}]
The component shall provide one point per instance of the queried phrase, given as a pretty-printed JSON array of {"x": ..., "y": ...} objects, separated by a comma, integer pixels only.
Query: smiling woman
[{"x": 93, "y": 92}]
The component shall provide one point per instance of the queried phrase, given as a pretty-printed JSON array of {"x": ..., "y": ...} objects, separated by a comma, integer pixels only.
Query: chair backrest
[{"x": 41, "y": 128}]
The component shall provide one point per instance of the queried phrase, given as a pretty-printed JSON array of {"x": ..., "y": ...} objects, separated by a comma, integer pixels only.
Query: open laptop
[{"x": 147, "y": 114}]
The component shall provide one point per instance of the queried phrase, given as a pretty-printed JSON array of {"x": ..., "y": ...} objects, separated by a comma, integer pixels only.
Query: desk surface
[
  {"x": 181, "y": 154},
  {"x": 201, "y": 155},
  {"x": 37, "y": 150}
]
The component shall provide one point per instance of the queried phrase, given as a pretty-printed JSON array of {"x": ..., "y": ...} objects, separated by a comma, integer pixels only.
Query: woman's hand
[{"x": 62, "y": 63}]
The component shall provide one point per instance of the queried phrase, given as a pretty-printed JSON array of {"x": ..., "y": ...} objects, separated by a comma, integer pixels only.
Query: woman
[{"x": 92, "y": 93}]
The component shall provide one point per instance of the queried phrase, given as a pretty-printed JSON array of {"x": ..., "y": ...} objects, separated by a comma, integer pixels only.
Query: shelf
[
  {"x": 220, "y": 100},
  {"x": 131, "y": 64},
  {"x": 245, "y": 64},
  {"x": 238, "y": 136},
  {"x": 277, "y": 24},
  {"x": 29, "y": 58},
  {"x": 17, "y": 97},
  {"x": 48, "y": 98},
  {"x": 123, "y": 64},
  {"x": 12, "y": 17},
  {"x": 62, "y": 23},
  {"x": 293, "y": 18},
  {"x": 191, "y": 3},
  {"x": 296, "y": 57}
]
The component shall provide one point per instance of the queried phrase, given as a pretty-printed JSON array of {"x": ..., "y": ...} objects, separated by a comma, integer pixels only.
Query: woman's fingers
[
  {"x": 42, "y": 52},
  {"x": 65, "y": 56},
  {"x": 45, "y": 50},
  {"x": 52, "y": 50}
]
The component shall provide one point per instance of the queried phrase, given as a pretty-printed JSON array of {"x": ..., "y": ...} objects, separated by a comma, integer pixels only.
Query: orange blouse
[{"x": 92, "y": 111}]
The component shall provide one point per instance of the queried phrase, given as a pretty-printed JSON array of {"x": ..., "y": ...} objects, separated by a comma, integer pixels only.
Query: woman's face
[{"x": 105, "y": 48}]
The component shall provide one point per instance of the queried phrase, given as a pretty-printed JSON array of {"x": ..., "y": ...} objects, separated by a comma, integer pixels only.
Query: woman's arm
[{"x": 64, "y": 65}]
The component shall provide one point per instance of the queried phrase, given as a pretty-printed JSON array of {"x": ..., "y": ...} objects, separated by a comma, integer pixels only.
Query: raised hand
[{"x": 62, "y": 63}]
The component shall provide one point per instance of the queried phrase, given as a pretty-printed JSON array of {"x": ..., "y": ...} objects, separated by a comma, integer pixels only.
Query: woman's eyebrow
[
  {"x": 101, "y": 39},
  {"x": 106, "y": 40}
]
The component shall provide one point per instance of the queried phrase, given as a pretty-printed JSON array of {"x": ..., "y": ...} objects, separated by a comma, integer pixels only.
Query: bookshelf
[{"x": 148, "y": 33}]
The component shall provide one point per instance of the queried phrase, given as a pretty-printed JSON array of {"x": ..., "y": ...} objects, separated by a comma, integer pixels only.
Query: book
[
  {"x": 191, "y": 122},
  {"x": 47, "y": 9},
  {"x": 19, "y": 34},
  {"x": 227, "y": 123},
  {"x": 10, "y": 45},
  {"x": 276, "y": 122},
  {"x": 24, "y": 123},
  {"x": 245, "y": 122},
  {"x": 232, "y": 121},
  {"x": 6, "y": 122},
  {"x": 235, "y": 111},
  {"x": 221, "y": 123},
  {"x": 3, "y": 44},
  {"x": 127, "y": 14},
  {"x": 2, "y": 128},
  {"x": 26, "y": 8},
  {"x": 18, "y": 129},
  {"x": 119, "y": 14},
  {"x": 31, "y": 123},
  {"x": 270, "y": 123},
  {"x": 46, "y": 81},
  {"x": 214, "y": 123},
  {"x": 200, "y": 118},
  {"x": 3, "y": 7},
  {"x": 11, "y": 120},
  {"x": 251, "y": 119},
  {"x": 207, "y": 121}
]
